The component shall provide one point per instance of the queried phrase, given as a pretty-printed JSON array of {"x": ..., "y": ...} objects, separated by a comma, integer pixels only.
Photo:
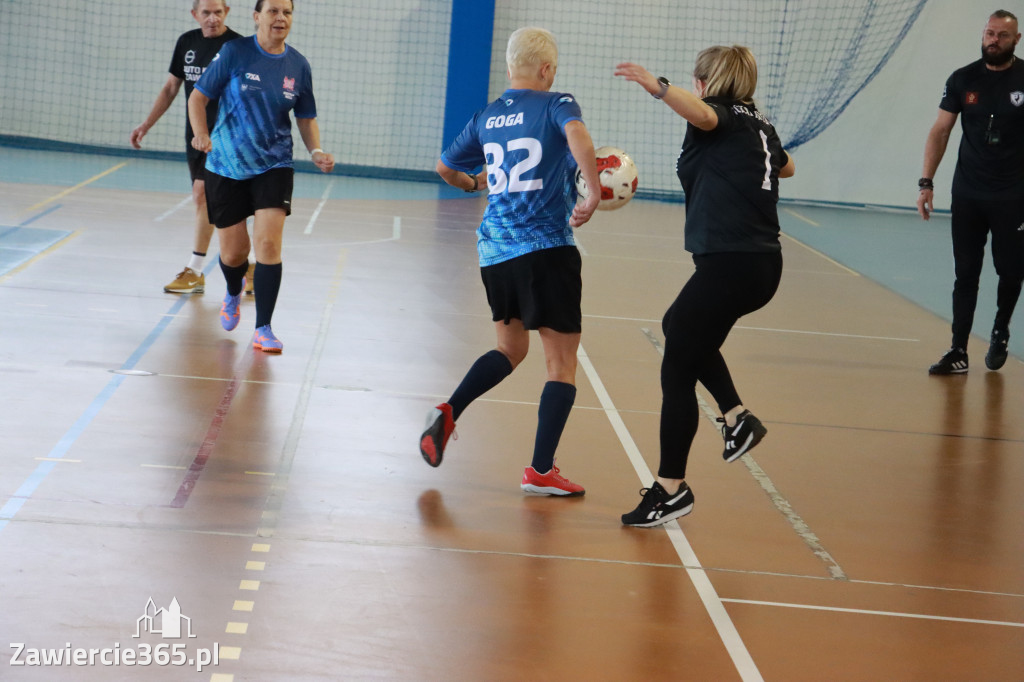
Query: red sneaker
[
  {"x": 551, "y": 483},
  {"x": 440, "y": 426}
]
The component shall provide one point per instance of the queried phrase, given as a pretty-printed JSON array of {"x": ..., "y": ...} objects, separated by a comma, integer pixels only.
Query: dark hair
[
  {"x": 1003, "y": 14},
  {"x": 259, "y": 5}
]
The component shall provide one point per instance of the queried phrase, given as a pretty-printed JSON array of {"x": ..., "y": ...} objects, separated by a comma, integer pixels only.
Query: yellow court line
[
  {"x": 69, "y": 190},
  {"x": 48, "y": 250},
  {"x": 819, "y": 253},
  {"x": 801, "y": 217}
]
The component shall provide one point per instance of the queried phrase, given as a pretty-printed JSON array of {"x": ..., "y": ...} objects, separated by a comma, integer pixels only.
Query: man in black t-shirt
[
  {"x": 988, "y": 185},
  {"x": 192, "y": 54}
]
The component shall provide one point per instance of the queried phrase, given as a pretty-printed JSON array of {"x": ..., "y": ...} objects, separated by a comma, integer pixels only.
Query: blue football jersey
[
  {"x": 520, "y": 137},
  {"x": 256, "y": 90}
]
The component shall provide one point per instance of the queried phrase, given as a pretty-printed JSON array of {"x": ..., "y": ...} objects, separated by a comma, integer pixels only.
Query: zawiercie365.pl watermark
[{"x": 169, "y": 623}]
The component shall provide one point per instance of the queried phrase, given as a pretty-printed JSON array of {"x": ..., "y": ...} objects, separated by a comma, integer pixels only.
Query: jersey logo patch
[
  {"x": 971, "y": 98},
  {"x": 565, "y": 99},
  {"x": 289, "y": 83},
  {"x": 1017, "y": 98},
  {"x": 190, "y": 56}
]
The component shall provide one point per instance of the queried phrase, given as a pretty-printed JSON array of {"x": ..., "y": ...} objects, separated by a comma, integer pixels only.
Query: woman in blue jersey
[
  {"x": 729, "y": 167},
  {"x": 249, "y": 170},
  {"x": 531, "y": 141}
]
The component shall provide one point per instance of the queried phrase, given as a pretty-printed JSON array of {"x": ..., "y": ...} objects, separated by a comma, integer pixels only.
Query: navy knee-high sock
[
  {"x": 265, "y": 288},
  {"x": 233, "y": 276},
  {"x": 556, "y": 402},
  {"x": 487, "y": 372}
]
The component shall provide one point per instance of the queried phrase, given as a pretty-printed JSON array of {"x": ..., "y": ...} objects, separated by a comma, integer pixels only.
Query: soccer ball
[{"x": 618, "y": 177}]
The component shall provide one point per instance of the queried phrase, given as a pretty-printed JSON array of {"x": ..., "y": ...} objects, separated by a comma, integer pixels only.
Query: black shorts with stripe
[{"x": 543, "y": 289}]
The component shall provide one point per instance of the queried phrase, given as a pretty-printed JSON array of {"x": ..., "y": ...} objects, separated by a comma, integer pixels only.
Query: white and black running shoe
[
  {"x": 953, "y": 362},
  {"x": 747, "y": 433},
  {"x": 658, "y": 506}
]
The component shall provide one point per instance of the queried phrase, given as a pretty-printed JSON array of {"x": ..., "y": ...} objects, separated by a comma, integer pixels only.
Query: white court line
[
  {"x": 799, "y": 526},
  {"x": 821, "y": 255},
  {"x": 319, "y": 207},
  {"x": 766, "y": 329},
  {"x": 169, "y": 212},
  {"x": 845, "y": 336},
  {"x": 801, "y": 217},
  {"x": 869, "y": 612},
  {"x": 730, "y": 637}
]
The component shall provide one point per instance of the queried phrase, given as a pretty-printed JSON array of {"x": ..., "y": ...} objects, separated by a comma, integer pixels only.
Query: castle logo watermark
[{"x": 170, "y": 623}]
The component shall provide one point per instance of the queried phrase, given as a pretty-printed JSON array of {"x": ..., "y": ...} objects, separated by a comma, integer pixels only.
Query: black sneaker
[
  {"x": 996, "y": 355},
  {"x": 659, "y": 507},
  {"x": 747, "y": 433},
  {"x": 953, "y": 362}
]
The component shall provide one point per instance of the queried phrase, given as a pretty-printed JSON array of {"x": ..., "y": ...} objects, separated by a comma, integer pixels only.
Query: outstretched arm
[{"x": 683, "y": 102}]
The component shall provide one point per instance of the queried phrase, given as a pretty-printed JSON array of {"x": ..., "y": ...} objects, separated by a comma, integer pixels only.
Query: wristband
[
  {"x": 925, "y": 183},
  {"x": 315, "y": 151},
  {"x": 475, "y": 183}
]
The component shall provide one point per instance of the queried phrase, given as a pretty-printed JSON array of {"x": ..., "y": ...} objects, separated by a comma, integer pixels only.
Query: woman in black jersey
[{"x": 729, "y": 167}]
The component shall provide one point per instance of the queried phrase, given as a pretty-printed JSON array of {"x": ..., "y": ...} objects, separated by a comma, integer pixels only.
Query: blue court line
[
  {"x": 35, "y": 479},
  {"x": 39, "y": 215}
]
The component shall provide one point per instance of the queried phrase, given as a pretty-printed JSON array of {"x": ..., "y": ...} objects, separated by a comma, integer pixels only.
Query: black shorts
[
  {"x": 543, "y": 289},
  {"x": 229, "y": 202},
  {"x": 196, "y": 163}
]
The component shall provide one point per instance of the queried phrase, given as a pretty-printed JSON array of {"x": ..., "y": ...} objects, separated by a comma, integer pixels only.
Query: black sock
[
  {"x": 266, "y": 286},
  {"x": 233, "y": 277},
  {"x": 487, "y": 372},
  {"x": 556, "y": 402}
]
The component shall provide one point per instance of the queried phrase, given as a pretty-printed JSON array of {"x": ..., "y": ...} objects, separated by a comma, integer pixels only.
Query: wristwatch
[{"x": 664, "y": 87}]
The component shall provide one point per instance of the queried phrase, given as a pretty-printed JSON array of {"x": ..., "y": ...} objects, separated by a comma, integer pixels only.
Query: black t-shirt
[
  {"x": 991, "y": 108},
  {"x": 192, "y": 54},
  {"x": 731, "y": 179}
]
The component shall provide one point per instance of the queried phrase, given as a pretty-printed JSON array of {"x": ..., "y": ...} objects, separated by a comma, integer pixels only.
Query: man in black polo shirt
[
  {"x": 988, "y": 185},
  {"x": 192, "y": 54}
]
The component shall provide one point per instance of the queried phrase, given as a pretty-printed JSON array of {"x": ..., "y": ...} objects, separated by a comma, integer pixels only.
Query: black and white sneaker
[
  {"x": 995, "y": 358},
  {"x": 658, "y": 507},
  {"x": 747, "y": 433},
  {"x": 953, "y": 362}
]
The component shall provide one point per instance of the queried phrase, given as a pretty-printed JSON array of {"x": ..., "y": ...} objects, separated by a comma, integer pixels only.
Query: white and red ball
[{"x": 618, "y": 176}]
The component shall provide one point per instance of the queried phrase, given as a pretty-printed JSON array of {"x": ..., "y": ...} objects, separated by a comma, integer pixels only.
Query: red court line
[{"x": 188, "y": 483}]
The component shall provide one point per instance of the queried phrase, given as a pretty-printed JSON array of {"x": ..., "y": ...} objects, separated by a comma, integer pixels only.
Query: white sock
[{"x": 196, "y": 262}]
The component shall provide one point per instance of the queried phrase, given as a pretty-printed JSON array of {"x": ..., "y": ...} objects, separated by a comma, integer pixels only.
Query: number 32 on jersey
[{"x": 498, "y": 181}]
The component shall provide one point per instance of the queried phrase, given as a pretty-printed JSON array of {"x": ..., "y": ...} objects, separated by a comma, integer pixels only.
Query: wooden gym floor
[{"x": 876, "y": 534}]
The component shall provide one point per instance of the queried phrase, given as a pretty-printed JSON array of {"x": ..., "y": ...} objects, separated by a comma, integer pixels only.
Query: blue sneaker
[
  {"x": 265, "y": 340},
  {"x": 229, "y": 313}
]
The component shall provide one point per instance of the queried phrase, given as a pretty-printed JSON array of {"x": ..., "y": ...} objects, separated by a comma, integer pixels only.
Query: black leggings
[
  {"x": 725, "y": 287},
  {"x": 972, "y": 220}
]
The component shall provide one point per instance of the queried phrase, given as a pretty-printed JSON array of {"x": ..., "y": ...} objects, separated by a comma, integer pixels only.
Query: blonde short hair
[
  {"x": 729, "y": 72},
  {"x": 531, "y": 46}
]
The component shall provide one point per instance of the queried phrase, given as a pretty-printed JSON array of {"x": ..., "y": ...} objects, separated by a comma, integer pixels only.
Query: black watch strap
[{"x": 664, "y": 88}]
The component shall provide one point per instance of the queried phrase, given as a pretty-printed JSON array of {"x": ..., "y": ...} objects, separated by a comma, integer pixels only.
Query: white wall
[
  {"x": 87, "y": 73},
  {"x": 872, "y": 153}
]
